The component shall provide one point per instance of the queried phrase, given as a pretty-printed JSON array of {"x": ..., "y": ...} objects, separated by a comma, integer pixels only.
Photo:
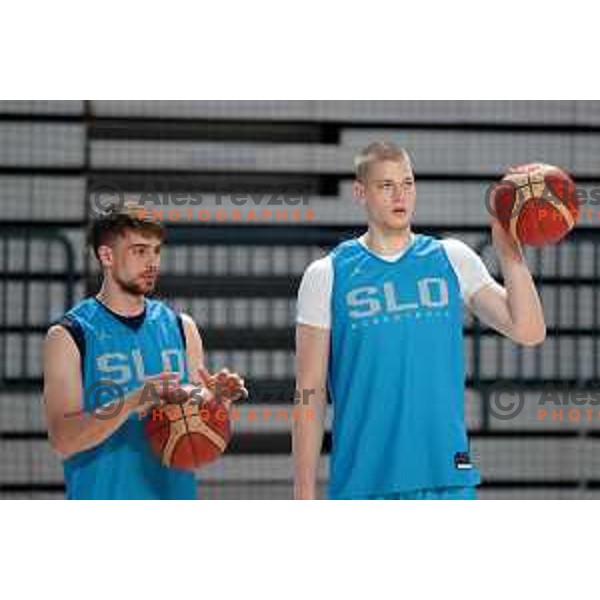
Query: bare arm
[
  {"x": 514, "y": 310},
  {"x": 230, "y": 385},
  {"x": 70, "y": 429},
  {"x": 312, "y": 358},
  {"x": 194, "y": 348}
]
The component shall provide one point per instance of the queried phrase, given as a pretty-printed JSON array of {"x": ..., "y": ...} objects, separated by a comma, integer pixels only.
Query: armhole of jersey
[
  {"x": 181, "y": 331},
  {"x": 75, "y": 330},
  {"x": 463, "y": 298},
  {"x": 331, "y": 291},
  {"x": 491, "y": 281}
]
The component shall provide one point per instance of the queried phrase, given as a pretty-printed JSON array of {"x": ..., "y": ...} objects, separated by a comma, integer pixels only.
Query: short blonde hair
[{"x": 378, "y": 152}]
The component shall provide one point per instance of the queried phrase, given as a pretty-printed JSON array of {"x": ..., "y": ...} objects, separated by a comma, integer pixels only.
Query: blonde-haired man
[{"x": 380, "y": 322}]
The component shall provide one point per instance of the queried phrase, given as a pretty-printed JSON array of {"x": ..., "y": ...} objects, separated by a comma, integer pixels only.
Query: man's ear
[
  {"x": 358, "y": 190},
  {"x": 105, "y": 255}
]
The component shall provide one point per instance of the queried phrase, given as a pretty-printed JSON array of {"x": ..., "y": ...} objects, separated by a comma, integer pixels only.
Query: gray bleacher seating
[
  {"x": 418, "y": 111},
  {"x": 43, "y": 199},
  {"x": 434, "y": 152},
  {"x": 41, "y": 145},
  {"x": 41, "y": 107},
  {"x": 477, "y": 152},
  {"x": 511, "y": 459},
  {"x": 454, "y": 165}
]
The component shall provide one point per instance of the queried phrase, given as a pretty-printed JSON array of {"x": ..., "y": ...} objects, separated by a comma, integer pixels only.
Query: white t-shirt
[{"x": 314, "y": 295}]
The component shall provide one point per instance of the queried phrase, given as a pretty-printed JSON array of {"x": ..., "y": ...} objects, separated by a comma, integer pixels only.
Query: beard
[{"x": 136, "y": 287}]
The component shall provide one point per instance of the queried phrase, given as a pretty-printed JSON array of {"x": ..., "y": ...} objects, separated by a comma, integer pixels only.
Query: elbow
[
  {"x": 530, "y": 336},
  {"x": 60, "y": 448},
  {"x": 60, "y": 445}
]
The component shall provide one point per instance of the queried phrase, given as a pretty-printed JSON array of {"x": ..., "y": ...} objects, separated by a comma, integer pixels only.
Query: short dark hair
[{"x": 116, "y": 220}]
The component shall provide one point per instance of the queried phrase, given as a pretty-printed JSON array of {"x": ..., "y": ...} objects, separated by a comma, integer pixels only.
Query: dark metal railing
[
  {"x": 576, "y": 341},
  {"x": 24, "y": 278}
]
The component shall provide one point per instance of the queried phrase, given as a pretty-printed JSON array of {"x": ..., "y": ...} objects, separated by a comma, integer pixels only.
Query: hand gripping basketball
[
  {"x": 535, "y": 203},
  {"x": 224, "y": 386},
  {"x": 187, "y": 434}
]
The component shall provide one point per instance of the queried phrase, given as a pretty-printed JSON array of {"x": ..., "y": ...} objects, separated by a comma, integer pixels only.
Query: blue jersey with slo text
[
  {"x": 124, "y": 351},
  {"x": 396, "y": 374}
]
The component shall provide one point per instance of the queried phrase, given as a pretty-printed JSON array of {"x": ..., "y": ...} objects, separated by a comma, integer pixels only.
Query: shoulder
[
  {"x": 345, "y": 248},
  {"x": 468, "y": 266},
  {"x": 424, "y": 245},
  {"x": 157, "y": 306},
  {"x": 58, "y": 332},
  {"x": 188, "y": 323},
  {"x": 158, "y": 309},
  {"x": 187, "y": 320},
  {"x": 190, "y": 334},
  {"x": 70, "y": 328},
  {"x": 319, "y": 267},
  {"x": 315, "y": 293},
  {"x": 318, "y": 276},
  {"x": 64, "y": 338},
  {"x": 83, "y": 312},
  {"x": 456, "y": 247},
  {"x": 460, "y": 254}
]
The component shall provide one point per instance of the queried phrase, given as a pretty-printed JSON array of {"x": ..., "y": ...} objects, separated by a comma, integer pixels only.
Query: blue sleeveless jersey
[
  {"x": 125, "y": 351},
  {"x": 396, "y": 373}
]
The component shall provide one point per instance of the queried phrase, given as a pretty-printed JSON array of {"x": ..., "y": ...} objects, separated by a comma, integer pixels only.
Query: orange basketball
[
  {"x": 188, "y": 436},
  {"x": 536, "y": 203}
]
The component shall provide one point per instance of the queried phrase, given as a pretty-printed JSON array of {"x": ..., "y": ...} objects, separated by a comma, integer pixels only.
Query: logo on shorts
[{"x": 462, "y": 460}]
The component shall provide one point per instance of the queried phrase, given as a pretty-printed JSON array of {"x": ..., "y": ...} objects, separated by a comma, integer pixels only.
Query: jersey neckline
[
  {"x": 407, "y": 250},
  {"x": 134, "y": 322}
]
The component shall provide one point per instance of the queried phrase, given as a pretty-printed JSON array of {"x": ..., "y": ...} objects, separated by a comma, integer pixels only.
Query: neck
[
  {"x": 119, "y": 301},
  {"x": 387, "y": 242}
]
